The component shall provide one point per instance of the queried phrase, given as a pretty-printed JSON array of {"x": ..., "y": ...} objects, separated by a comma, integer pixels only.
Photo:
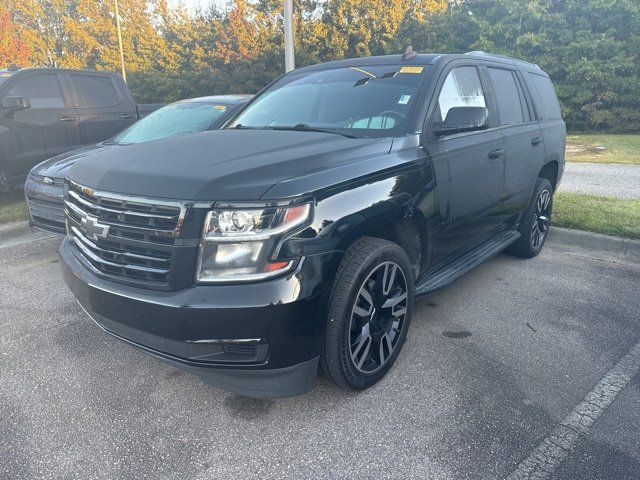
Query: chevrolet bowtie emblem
[{"x": 93, "y": 229}]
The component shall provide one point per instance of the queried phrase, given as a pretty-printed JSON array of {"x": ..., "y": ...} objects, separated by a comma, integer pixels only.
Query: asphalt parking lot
[{"x": 491, "y": 367}]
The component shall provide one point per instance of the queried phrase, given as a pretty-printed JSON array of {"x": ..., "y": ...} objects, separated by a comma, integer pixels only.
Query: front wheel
[
  {"x": 369, "y": 313},
  {"x": 534, "y": 227}
]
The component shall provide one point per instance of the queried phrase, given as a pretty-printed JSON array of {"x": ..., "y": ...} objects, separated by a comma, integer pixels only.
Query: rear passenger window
[
  {"x": 546, "y": 99},
  {"x": 43, "y": 91},
  {"x": 95, "y": 91},
  {"x": 462, "y": 88},
  {"x": 510, "y": 105}
]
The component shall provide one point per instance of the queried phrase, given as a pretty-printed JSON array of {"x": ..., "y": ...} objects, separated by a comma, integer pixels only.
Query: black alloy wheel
[
  {"x": 377, "y": 317},
  {"x": 535, "y": 223},
  {"x": 369, "y": 313}
]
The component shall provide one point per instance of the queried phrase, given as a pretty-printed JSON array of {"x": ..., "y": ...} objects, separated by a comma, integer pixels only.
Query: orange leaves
[{"x": 12, "y": 48}]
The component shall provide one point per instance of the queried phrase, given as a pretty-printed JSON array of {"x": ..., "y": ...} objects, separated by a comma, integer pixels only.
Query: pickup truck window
[
  {"x": 461, "y": 88},
  {"x": 95, "y": 91},
  {"x": 43, "y": 91},
  {"x": 364, "y": 101},
  {"x": 172, "y": 120}
]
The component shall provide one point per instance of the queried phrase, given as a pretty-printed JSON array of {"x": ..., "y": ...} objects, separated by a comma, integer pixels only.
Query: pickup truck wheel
[
  {"x": 536, "y": 221},
  {"x": 369, "y": 313}
]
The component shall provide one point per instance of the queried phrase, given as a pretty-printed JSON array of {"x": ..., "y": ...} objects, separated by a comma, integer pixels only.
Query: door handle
[
  {"x": 126, "y": 115},
  {"x": 496, "y": 153},
  {"x": 66, "y": 119},
  {"x": 536, "y": 140}
]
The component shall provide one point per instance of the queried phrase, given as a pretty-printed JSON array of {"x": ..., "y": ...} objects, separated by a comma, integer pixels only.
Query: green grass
[
  {"x": 610, "y": 216},
  {"x": 13, "y": 207},
  {"x": 617, "y": 148}
]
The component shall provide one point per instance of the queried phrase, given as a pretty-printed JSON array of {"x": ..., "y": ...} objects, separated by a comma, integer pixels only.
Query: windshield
[
  {"x": 363, "y": 102},
  {"x": 175, "y": 119}
]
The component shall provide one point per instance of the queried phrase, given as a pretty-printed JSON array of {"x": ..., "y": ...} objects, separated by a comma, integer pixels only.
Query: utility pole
[
  {"x": 289, "y": 55},
  {"x": 124, "y": 73}
]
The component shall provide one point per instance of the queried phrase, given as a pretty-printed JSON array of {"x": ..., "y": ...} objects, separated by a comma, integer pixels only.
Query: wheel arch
[{"x": 550, "y": 172}]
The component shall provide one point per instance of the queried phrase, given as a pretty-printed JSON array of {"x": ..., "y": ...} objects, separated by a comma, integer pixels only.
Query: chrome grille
[{"x": 121, "y": 236}]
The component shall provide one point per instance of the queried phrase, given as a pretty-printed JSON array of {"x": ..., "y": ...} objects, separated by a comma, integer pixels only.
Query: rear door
[
  {"x": 102, "y": 108},
  {"x": 46, "y": 129},
  {"x": 523, "y": 143},
  {"x": 469, "y": 166}
]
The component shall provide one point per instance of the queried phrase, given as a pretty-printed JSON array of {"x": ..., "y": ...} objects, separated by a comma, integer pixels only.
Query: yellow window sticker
[
  {"x": 220, "y": 107},
  {"x": 411, "y": 69}
]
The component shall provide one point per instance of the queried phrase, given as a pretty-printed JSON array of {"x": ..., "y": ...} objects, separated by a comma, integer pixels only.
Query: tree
[{"x": 12, "y": 48}]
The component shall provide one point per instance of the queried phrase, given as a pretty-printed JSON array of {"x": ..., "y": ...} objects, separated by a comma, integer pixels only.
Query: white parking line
[{"x": 554, "y": 449}]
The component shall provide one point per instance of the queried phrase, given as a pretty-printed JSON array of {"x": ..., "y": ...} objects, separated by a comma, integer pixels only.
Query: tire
[
  {"x": 368, "y": 317},
  {"x": 534, "y": 227}
]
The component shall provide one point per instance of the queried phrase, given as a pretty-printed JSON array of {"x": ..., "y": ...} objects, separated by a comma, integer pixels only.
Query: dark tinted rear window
[
  {"x": 545, "y": 96},
  {"x": 95, "y": 91},
  {"x": 506, "y": 92}
]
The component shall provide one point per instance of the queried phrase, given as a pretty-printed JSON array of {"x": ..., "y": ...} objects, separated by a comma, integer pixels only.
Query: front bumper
[
  {"x": 260, "y": 339},
  {"x": 46, "y": 206}
]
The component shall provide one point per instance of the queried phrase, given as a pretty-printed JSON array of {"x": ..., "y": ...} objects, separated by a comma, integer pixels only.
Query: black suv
[{"x": 297, "y": 237}]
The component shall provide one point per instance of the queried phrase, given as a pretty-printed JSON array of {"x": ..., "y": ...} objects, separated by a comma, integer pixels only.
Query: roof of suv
[{"x": 418, "y": 59}]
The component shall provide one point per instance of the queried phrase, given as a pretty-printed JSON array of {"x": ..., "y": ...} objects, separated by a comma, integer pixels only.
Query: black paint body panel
[{"x": 439, "y": 197}]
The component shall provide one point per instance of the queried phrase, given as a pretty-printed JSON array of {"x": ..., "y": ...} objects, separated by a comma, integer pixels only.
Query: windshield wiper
[{"x": 303, "y": 127}]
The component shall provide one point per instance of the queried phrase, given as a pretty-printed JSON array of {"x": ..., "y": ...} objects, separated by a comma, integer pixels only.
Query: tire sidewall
[
  {"x": 541, "y": 185},
  {"x": 342, "y": 315}
]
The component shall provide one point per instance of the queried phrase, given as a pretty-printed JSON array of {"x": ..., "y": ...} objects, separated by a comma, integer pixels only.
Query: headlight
[{"x": 238, "y": 244}]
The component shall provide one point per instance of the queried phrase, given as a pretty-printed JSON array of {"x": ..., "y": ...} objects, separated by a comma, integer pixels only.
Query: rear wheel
[
  {"x": 369, "y": 313},
  {"x": 534, "y": 227}
]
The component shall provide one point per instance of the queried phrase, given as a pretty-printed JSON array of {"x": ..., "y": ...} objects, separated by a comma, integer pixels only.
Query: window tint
[
  {"x": 95, "y": 91},
  {"x": 507, "y": 97},
  {"x": 43, "y": 91},
  {"x": 546, "y": 99},
  {"x": 367, "y": 101},
  {"x": 462, "y": 88}
]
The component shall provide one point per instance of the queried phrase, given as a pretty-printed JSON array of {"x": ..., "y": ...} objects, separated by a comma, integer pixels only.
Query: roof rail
[{"x": 501, "y": 57}]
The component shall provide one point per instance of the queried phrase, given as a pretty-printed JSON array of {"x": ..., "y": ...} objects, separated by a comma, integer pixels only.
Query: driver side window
[{"x": 461, "y": 88}]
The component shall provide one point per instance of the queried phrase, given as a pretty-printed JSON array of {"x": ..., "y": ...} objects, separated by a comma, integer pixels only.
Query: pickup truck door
[
  {"x": 104, "y": 105},
  {"x": 49, "y": 127},
  {"x": 469, "y": 167}
]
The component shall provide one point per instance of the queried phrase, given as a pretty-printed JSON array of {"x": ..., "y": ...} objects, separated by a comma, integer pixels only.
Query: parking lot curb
[{"x": 605, "y": 247}]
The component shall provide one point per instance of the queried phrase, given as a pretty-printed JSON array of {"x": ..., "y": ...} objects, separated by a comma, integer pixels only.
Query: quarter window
[
  {"x": 43, "y": 91},
  {"x": 462, "y": 88},
  {"x": 507, "y": 96},
  {"x": 547, "y": 101},
  {"x": 95, "y": 91}
]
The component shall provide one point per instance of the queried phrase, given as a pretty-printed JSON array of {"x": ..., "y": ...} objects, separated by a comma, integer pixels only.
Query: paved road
[
  {"x": 491, "y": 366},
  {"x": 606, "y": 180}
]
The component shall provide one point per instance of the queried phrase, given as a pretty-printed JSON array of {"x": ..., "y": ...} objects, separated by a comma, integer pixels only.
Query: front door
[
  {"x": 49, "y": 127},
  {"x": 469, "y": 167}
]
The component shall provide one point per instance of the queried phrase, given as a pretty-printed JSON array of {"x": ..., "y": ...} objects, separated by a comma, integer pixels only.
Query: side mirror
[
  {"x": 15, "y": 103},
  {"x": 463, "y": 119}
]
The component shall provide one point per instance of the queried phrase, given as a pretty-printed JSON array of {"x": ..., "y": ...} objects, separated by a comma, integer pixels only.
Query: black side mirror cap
[
  {"x": 15, "y": 103},
  {"x": 463, "y": 119}
]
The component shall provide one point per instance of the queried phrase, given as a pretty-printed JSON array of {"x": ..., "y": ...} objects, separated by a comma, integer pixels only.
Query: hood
[
  {"x": 58, "y": 166},
  {"x": 220, "y": 165}
]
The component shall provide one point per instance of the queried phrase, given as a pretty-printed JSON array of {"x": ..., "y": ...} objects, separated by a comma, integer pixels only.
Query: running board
[{"x": 446, "y": 274}]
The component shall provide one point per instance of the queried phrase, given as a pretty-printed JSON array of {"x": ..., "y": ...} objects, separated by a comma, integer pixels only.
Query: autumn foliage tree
[
  {"x": 591, "y": 48},
  {"x": 12, "y": 48}
]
